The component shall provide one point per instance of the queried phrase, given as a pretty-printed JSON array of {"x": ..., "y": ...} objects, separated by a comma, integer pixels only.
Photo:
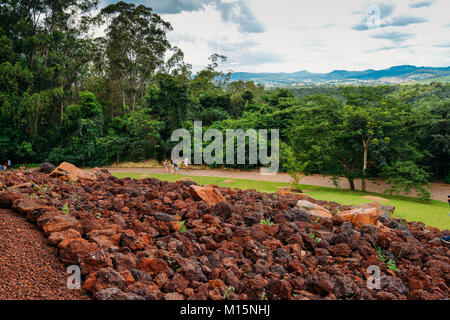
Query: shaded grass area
[{"x": 433, "y": 213}]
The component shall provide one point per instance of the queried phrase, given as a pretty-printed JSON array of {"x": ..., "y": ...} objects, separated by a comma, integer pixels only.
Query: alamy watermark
[
  {"x": 374, "y": 18},
  {"x": 374, "y": 280},
  {"x": 74, "y": 280},
  {"x": 235, "y": 145}
]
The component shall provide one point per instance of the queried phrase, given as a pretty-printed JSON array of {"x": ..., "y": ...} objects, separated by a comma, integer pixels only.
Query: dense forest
[{"x": 117, "y": 94}]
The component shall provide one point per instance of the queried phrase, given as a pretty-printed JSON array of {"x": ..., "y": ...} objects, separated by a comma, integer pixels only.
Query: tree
[
  {"x": 135, "y": 46},
  {"x": 81, "y": 127},
  {"x": 292, "y": 165},
  {"x": 342, "y": 140}
]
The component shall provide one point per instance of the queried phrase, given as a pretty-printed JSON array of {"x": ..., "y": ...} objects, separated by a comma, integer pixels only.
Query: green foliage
[
  {"x": 65, "y": 209},
  {"x": 405, "y": 176},
  {"x": 81, "y": 127},
  {"x": 267, "y": 221},
  {"x": 183, "y": 227},
  {"x": 314, "y": 237},
  {"x": 390, "y": 263},
  {"x": 227, "y": 292},
  {"x": 291, "y": 164},
  {"x": 67, "y": 96}
]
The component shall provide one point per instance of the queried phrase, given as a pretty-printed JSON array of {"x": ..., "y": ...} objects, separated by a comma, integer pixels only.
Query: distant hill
[{"x": 393, "y": 75}]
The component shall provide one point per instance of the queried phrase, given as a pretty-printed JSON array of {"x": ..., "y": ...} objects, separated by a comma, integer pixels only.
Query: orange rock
[
  {"x": 216, "y": 283},
  {"x": 70, "y": 172},
  {"x": 366, "y": 214},
  {"x": 209, "y": 194}
]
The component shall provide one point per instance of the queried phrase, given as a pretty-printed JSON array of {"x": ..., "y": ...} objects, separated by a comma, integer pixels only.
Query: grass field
[{"x": 433, "y": 213}]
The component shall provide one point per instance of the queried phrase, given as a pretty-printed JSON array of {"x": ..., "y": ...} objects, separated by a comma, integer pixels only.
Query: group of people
[
  {"x": 173, "y": 165},
  {"x": 6, "y": 166}
]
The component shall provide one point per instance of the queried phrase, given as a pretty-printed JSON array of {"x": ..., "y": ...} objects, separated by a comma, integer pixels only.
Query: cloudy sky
[{"x": 318, "y": 36}]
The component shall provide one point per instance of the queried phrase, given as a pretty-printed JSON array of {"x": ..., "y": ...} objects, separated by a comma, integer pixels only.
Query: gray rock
[{"x": 164, "y": 217}]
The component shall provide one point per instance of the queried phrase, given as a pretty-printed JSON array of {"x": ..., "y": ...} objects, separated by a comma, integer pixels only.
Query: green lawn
[{"x": 433, "y": 213}]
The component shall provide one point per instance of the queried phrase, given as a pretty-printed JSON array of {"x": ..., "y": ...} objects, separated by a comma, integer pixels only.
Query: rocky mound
[{"x": 148, "y": 239}]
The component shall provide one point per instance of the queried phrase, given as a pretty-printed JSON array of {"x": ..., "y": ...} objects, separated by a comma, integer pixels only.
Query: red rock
[
  {"x": 71, "y": 249},
  {"x": 32, "y": 209},
  {"x": 179, "y": 283},
  {"x": 128, "y": 276},
  {"x": 135, "y": 242},
  {"x": 215, "y": 295},
  {"x": 153, "y": 265},
  {"x": 280, "y": 289},
  {"x": 109, "y": 278},
  {"x": 94, "y": 261},
  {"x": 60, "y": 223},
  {"x": 7, "y": 198},
  {"x": 173, "y": 296},
  {"x": 124, "y": 262},
  {"x": 386, "y": 296},
  {"x": 341, "y": 250},
  {"x": 56, "y": 237},
  {"x": 46, "y": 217},
  {"x": 323, "y": 283},
  {"x": 89, "y": 283}
]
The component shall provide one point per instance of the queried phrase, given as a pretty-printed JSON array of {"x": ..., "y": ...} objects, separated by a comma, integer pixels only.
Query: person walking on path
[
  {"x": 8, "y": 166},
  {"x": 175, "y": 165},
  {"x": 172, "y": 166},
  {"x": 166, "y": 166},
  {"x": 186, "y": 162}
]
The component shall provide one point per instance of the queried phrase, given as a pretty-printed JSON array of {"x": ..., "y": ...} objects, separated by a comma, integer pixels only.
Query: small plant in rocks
[
  {"x": 65, "y": 209},
  {"x": 227, "y": 292},
  {"x": 267, "y": 221},
  {"x": 390, "y": 263},
  {"x": 314, "y": 237}
]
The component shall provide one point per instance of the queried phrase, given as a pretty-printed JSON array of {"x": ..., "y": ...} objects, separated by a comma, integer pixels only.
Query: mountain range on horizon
[{"x": 393, "y": 75}]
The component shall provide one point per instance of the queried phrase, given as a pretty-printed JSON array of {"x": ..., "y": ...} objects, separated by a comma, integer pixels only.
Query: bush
[{"x": 405, "y": 176}]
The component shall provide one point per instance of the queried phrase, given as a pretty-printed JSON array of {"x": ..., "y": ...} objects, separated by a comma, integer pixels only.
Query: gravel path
[
  {"x": 439, "y": 191},
  {"x": 29, "y": 267}
]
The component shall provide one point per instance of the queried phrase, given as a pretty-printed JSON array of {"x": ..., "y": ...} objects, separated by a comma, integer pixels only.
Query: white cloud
[{"x": 319, "y": 36}]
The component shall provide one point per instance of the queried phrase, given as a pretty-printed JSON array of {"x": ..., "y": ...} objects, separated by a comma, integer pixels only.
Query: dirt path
[
  {"x": 439, "y": 191},
  {"x": 29, "y": 267}
]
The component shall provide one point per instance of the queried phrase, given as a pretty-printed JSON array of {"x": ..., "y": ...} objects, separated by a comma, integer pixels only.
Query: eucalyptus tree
[{"x": 135, "y": 47}]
